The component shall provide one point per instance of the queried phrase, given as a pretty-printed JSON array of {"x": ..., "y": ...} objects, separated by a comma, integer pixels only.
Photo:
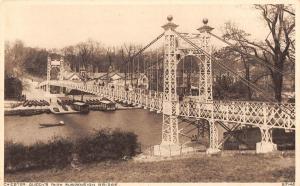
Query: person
[
  {"x": 75, "y": 163},
  {"x": 194, "y": 138}
]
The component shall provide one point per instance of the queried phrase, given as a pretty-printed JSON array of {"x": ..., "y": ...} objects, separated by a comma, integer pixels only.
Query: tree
[
  {"x": 89, "y": 55},
  {"x": 278, "y": 48},
  {"x": 35, "y": 61},
  {"x": 14, "y": 57},
  {"x": 127, "y": 54},
  {"x": 13, "y": 87},
  {"x": 281, "y": 25},
  {"x": 235, "y": 60},
  {"x": 70, "y": 57},
  {"x": 20, "y": 59},
  {"x": 84, "y": 52}
]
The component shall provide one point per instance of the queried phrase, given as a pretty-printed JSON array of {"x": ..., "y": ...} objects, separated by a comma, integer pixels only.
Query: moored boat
[
  {"x": 31, "y": 112},
  {"x": 61, "y": 123}
]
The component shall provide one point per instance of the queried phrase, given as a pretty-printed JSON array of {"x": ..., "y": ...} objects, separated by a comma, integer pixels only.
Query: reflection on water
[{"x": 147, "y": 125}]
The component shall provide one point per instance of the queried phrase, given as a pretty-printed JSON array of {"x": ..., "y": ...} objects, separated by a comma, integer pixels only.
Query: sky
[{"x": 58, "y": 25}]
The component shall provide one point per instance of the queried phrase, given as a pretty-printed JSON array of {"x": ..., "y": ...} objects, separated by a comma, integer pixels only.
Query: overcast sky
[{"x": 59, "y": 25}]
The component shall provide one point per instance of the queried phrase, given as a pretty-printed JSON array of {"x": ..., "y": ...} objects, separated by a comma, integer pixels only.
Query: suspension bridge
[{"x": 229, "y": 114}]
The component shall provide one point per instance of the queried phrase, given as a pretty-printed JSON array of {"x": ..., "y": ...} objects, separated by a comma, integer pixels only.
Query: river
[{"x": 147, "y": 125}]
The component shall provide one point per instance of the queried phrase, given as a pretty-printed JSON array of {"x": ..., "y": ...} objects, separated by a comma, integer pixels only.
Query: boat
[
  {"x": 30, "y": 112},
  {"x": 60, "y": 123}
]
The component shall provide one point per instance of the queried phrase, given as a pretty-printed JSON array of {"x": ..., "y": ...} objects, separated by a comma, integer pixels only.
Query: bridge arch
[
  {"x": 187, "y": 74},
  {"x": 55, "y": 70},
  {"x": 54, "y": 73}
]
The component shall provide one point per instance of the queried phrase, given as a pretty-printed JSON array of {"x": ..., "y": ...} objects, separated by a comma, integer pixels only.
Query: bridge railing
[
  {"x": 273, "y": 115},
  {"x": 148, "y": 99}
]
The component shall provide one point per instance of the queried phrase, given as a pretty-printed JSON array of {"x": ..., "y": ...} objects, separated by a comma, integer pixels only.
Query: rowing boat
[{"x": 61, "y": 123}]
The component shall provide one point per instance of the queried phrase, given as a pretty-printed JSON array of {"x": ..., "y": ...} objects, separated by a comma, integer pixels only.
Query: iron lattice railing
[{"x": 273, "y": 115}]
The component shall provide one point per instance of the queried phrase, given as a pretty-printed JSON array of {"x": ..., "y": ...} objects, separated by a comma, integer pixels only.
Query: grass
[{"x": 195, "y": 168}]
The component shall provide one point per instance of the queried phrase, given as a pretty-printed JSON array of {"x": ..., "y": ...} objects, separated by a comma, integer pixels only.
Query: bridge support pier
[
  {"x": 213, "y": 138},
  {"x": 266, "y": 145},
  {"x": 170, "y": 143},
  {"x": 170, "y": 130}
]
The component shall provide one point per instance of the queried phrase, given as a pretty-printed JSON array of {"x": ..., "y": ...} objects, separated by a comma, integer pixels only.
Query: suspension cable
[
  {"x": 247, "y": 54},
  {"x": 143, "y": 49},
  {"x": 147, "y": 74},
  {"x": 156, "y": 71},
  {"x": 138, "y": 53},
  {"x": 144, "y": 68},
  {"x": 246, "y": 82},
  {"x": 132, "y": 72},
  {"x": 151, "y": 70},
  {"x": 138, "y": 76},
  {"x": 221, "y": 65},
  {"x": 183, "y": 69}
]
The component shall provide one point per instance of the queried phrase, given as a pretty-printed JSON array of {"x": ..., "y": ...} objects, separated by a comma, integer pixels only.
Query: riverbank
[
  {"x": 193, "y": 168},
  {"x": 13, "y": 107},
  {"x": 9, "y": 110}
]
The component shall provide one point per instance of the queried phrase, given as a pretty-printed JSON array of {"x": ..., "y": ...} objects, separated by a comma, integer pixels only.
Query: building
[
  {"x": 81, "y": 107},
  {"x": 74, "y": 77}
]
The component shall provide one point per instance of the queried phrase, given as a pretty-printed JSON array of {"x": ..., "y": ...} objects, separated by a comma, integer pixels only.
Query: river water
[{"x": 147, "y": 125}]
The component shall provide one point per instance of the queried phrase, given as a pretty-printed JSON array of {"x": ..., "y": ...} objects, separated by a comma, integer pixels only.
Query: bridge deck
[{"x": 272, "y": 115}]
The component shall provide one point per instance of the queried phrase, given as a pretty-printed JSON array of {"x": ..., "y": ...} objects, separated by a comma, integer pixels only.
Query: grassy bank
[{"x": 195, "y": 168}]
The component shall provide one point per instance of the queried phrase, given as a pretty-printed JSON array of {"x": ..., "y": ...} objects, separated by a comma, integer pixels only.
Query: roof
[
  {"x": 79, "y": 103},
  {"x": 64, "y": 98},
  {"x": 68, "y": 75},
  {"x": 104, "y": 76},
  {"x": 194, "y": 87},
  {"x": 105, "y": 101},
  {"x": 97, "y": 75},
  {"x": 115, "y": 76},
  {"x": 74, "y": 74},
  {"x": 55, "y": 62}
]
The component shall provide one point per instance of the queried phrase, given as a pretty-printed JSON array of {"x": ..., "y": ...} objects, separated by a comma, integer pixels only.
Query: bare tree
[
  {"x": 281, "y": 25},
  {"x": 70, "y": 57},
  {"x": 127, "y": 59},
  {"x": 278, "y": 47},
  {"x": 14, "y": 57},
  {"x": 241, "y": 38},
  {"x": 84, "y": 52}
]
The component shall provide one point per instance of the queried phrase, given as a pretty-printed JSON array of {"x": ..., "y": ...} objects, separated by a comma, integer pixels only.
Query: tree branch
[
  {"x": 269, "y": 45},
  {"x": 261, "y": 76}
]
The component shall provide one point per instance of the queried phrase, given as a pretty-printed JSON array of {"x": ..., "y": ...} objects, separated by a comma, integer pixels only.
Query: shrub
[
  {"x": 55, "y": 153},
  {"x": 14, "y": 155},
  {"x": 105, "y": 144},
  {"x": 13, "y": 87}
]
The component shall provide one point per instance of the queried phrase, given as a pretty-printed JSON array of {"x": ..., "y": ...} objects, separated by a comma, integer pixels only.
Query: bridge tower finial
[
  {"x": 205, "y": 21},
  {"x": 205, "y": 27},
  {"x": 170, "y": 24}
]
